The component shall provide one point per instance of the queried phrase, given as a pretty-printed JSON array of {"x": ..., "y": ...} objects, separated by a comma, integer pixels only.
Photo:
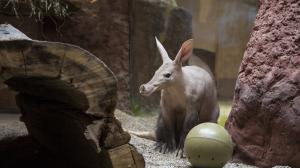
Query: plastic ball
[{"x": 208, "y": 145}]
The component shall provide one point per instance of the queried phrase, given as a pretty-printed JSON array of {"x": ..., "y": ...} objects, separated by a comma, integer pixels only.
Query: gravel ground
[
  {"x": 155, "y": 159},
  {"x": 10, "y": 126},
  {"x": 146, "y": 147}
]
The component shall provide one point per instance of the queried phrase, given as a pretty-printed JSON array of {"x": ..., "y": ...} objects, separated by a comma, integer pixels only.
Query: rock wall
[
  {"x": 265, "y": 117},
  {"x": 101, "y": 27},
  {"x": 66, "y": 85}
]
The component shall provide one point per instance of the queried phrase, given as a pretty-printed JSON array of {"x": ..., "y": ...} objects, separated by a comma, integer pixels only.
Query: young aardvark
[{"x": 188, "y": 97}]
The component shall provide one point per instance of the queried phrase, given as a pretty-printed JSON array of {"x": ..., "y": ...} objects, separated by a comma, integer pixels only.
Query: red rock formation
[{"x": 265, "y": 118}]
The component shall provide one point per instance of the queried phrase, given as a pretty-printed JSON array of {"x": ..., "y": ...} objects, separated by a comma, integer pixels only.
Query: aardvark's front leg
[{"x": 190, "y": 121}]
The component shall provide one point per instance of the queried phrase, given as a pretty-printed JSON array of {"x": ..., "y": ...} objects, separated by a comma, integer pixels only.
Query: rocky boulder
[
  {"x": 61, "y": 130},
  {"x": 66, "y": 95},
  {"x": 100, "y": 26},
  {"x": 265, "y": 117}
]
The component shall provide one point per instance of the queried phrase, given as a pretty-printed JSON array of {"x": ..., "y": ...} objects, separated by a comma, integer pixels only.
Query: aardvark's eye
[{"x": 167, "y": 75}]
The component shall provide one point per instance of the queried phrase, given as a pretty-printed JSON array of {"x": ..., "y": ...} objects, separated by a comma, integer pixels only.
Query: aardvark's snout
[
  {"x": 146, "y": 90},
  {"x": 142, "y": 89}
]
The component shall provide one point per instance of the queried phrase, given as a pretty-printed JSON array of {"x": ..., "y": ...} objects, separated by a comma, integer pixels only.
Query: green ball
[{"x": 208, "y": 145}]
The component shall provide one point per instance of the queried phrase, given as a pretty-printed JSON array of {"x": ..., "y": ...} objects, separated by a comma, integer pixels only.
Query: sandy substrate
[{"x": 10, "y": 126}]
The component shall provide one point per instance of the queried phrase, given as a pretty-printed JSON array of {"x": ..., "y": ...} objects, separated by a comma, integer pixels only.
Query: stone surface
[
  {"x": 101, "y": 27},
  {"x": 50, "y": 89},
  {"x": 67, "y": 97},
  {"x": 17, "y": 149},
  {"x": 177, "y": 30},
  {"x": 24, "y": 152},
  {"x": 265, "y": 117},
  {"x": 126, "y": 156},
  {"x": 87, "y": 73},
  {"x": 21, "y": 153},
  {"x": 114, "y": 134},
  {"x": 154, "y": 158},
  {"x": 6, "y": 30},
  {"x": 62, "y": 127},
  {"x": 61, "y": 130}
]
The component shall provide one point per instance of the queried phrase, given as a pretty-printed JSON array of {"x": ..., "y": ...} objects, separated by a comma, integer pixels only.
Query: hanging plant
[{"x": 35, "y": 8}]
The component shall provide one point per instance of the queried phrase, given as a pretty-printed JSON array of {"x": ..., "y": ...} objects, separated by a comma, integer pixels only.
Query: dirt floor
[{"x": 10, "y": 126}]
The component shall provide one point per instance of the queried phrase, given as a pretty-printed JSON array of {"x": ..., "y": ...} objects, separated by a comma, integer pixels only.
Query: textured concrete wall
[
  {"x": 205, "y": 19},
  {"x": 235, "y": 23},
  {"x": 223, "y": 28}
]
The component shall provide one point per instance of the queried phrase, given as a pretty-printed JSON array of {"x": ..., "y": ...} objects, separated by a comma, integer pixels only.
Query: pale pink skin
[
  {"x": 159, "y": 81},
  {"x": 189, "y": 88},
  {"x": 185, "y": 85}
]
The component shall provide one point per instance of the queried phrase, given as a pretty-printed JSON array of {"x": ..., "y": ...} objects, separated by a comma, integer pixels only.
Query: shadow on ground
[{"x": 23, "y": 152}]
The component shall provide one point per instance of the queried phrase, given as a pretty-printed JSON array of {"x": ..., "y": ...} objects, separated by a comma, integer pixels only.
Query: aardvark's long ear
[
  {"x": 162, "y": 51},
  {"x": 185, "y": 52}
]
